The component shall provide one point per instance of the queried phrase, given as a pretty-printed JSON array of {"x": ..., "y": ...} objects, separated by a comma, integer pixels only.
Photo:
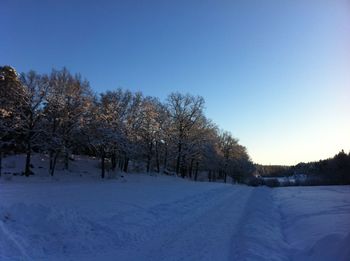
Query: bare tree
[
  {"x": 132, "y": 128},
  {"x": 184, "y": 112},
  {"x": 150, "y": 130},
  {"x": 228, "y": 146},
  {"x": 99, "y": 131},
  {"x": 32, "y": 112},
  {"x": 68, "y": 103},
  {"x": 116, "y": 105}
]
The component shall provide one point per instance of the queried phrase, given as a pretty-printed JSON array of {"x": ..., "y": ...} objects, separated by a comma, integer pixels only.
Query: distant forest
[
  {"x": 58, "y": 114},
  {"x": 332, "y": 171}
]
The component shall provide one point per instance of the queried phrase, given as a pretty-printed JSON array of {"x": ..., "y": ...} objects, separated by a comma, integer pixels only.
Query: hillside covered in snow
[{"x": 78, "y": 216}]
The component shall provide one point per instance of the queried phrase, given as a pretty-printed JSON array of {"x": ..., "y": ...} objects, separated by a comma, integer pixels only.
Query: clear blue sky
[{"x": 275, "y": 73}]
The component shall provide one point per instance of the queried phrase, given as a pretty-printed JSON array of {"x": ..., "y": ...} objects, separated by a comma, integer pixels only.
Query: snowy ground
[{"x": 141, "y": 217}]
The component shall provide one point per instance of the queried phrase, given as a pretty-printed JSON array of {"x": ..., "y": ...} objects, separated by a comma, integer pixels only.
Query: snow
[
  {"x": 316, "y": 221},
  {"x": 78, "y": 216}
]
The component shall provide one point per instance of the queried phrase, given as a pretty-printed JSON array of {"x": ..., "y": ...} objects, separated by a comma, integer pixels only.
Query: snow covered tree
[
  {"x": 132, "y": 128},
  {"x": 150, "y": 130},
  {"x": 211, "y": 155},
  {"x": 241, "y": 165},
  {"x": 32, "y": 112},
  {"x": 116, "y": 106},
  {"x": 202, "y": 134},
  {"x": 228, "y": 146},
  {"x": 11, "y": 97},
  {"x": 184, "y": 111},
  {"x": 99, "y": 132},
  {"x": 235, "y": 159},
  {"x": 59, "y": 114},
  {"x": 68, "y": 102}
]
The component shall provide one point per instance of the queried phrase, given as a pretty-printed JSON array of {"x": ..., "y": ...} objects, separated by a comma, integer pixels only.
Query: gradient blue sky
[{"x": 275, "y": 73}]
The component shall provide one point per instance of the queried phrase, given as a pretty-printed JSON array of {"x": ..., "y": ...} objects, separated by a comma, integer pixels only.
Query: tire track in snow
[
  {"x": 12, "y": 238},
  {"x": 203, "y": 234},
  {"x": 144, "y": 224}
]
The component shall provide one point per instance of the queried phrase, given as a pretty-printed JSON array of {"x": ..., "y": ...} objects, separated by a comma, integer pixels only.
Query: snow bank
[
  {"x": 316, "y": 221},
  {"x": 330, "y": 247}
]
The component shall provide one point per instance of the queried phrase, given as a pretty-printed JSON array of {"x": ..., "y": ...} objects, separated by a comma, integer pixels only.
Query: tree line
[
  {"x": 58, "y": 114},
  {"x": 332, "y": 171}
]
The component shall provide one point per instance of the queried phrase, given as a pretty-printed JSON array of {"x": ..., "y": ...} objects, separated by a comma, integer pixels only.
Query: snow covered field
[{"x": 141, "y": 217}]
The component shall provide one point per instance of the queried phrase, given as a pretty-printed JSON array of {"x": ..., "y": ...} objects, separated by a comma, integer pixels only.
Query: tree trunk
[
  {"x": 157, "y": 158},
  {"x": 196, "y": 173},
  {"x": 113, "y": 160},
  {"x": 165, "y": 158},
  {"x": 53, "y": 154},
  {"x": 51, "y": 160},
  {"x": 225, "y": 169},
  {"x": 1, "y": 156},
  {"x": 126, "y": 163},
  {"x": 54, "y": 163},
  {"x": 183, "y": 167},
  {"x": 178, "y": 158},
  {"x": 66, "y": 158},
  {"x": 121, "y": 161},
  {"x": 183, "y": 172},
  {"x": 149, "y": 157},
  {"x": 27, "y": 167},
  {"x": 103, "y": 163},
  {"x": 209, "y": 175},
  {"x": 148, "y": 163},
  {"x": 190, "y": 169}
]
